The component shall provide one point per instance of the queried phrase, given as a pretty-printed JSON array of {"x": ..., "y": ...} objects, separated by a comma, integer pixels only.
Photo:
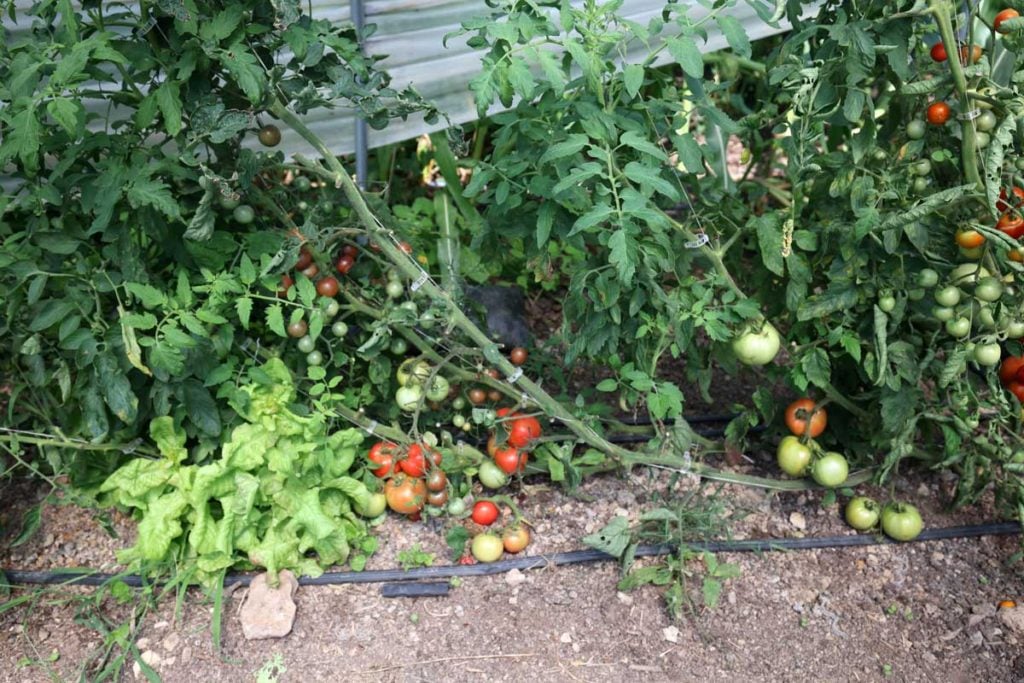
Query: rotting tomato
[
  {"x": 515, "y": 539},
  {"x": 485, "y": 513},
  {"x": 523, "y": 430},
  {"x": 382, "y": 453},
  {"x": 803, "y": 419},
  {"x": 1006, "y": 14},
  {"x": 937, "y": 113},
  {"x": 510, "y": 460},
  {"x": 405, "y": 494}
]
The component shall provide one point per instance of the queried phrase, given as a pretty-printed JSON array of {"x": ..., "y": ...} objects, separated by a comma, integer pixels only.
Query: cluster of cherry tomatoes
[
  {"x": 414, "y": 477},
  {"x": 488, "y": 546}
]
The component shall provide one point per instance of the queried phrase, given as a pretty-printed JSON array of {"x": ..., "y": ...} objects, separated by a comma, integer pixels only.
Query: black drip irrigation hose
[{"x": 90, "y": 578}]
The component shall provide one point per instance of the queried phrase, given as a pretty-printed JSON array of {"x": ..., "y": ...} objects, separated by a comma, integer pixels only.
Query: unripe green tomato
[
  {"x": 1019, "y": 163},
  {"x": 409, "y": 306},
  {"x": 920, "y": 185},
  {"x": 458, "y": 403},
  {"x": 1014, "y": 329},
  {"x": 948, "y": 296},
  {"x": 958, "y": 327},
  {"x": 916, "y": 129},
  {"x": 922, "y": 167},
  {"x": 458, "y": 419},
  {"x": 966, "y": 273},
  {"x": 394, "y": 289},
  {"x": 229, "y": 203},
  {"x": 330, "y": 307},
  {"x": 468, "y": 427},
  {"x": 339, "y": 329},
  {"x": 438, "y": 389},
  {"x": 988, "y": 289},
  {"x": 428, "y": 319},
  {"x": 306, "y": 344},
  {"x": 408, "y": 397},
  {"x": 487, "y": 547},
  {"x": 862, "y": 513},
  {"x": 399, "y": 346},
  {"x": 375, "y": 507},
  {"x": 879, "y": 155},
  {"x": 830, "y": 470},
  {"x": 987, "y": 354},
  {"x": 887, "y": 303},
  {"x": 972, "y": 253},
  {"x": 244, "y": 214},
  {"x": 927, "y": 278},
  {"x": 985, "y": 318},
  {"x": 986, "y": 122},
  {"x": 302, "y": 183},
  {"x": 491, "y": 476},
  {"x": 915, "y": 294},
  {"x": 393, "y": 275},
  {"x": 943, "y": 313},
  {"x": 314, "y": 358},
  {"x": 981, "y": 140},
  {"x": 456, "y": 507}
]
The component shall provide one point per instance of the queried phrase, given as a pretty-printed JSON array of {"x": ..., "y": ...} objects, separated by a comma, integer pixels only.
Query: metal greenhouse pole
[{"x": 361, "y": 131}]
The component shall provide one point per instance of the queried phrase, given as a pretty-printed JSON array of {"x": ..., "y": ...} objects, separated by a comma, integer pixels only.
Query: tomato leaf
[{"x": 612, "y": 539}]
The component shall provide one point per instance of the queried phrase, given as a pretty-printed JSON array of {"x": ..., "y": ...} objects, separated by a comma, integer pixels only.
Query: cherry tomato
[
  {"x": 1012, "y": 224},
  {"x": 350, "y": 250},
  {"x": 327, "y": 286},
  {"x": 938, "y": 113},
  {"x": 344, "y": 264},
  {"x": 491, "y": 475},
  {"x": 477, "y": 396},
  {"x": 1003, "y": 16},
  {"x": 311, "y": 271},
  {"x": 437, "y": 498},
  {"x": 523, "y": 431},
  {"x": 916, "y": 129},
  {"x": 306, "y": 344},
  {"x": 517, "y": 356},
  {"x": 437, "y": 480},
  {"x": 414, "y": 463},
  {"x": 270, "y": 135},
  {"x": 485, "y": 513},
  {"x": 975, "y": 54},
  {"x": 510, "y": 460},
  {"x": 383, "y": 454},
  {"x": 298, "y": 329},
  {"x": 939, "y": 53},
  {"x": 314, "y": 358},
  {"x": 286, "y": 284},
  {"x": 339, "y": 329},
  {"x": 803, "y": 419},
  {"x": 405, "y": 495},
  {"x": 515, "y": 539},
  {"x": 305, "y": 258}
]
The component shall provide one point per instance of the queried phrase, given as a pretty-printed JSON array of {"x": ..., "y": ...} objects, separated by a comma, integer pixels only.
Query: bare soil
[{"x": 910, "y": 612}]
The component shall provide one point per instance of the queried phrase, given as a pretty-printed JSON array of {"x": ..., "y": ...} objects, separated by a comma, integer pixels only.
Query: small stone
[
  {"x": 975, "y": 619},
  {"x": 798, "y": 520},
  {"x": 924, "y": 490},
  {"x": 937, "y": 559},
  {"x": 142, "y": 643},
  {"x": 186, "y": 655},
  {"x": 269, "y": 612},
  {"x": 1013, "y": 619},
  {"x": 161, "y": 625},
  {"x": 151, "y": 657},
  {"x": 929, "y": 658},
  {"x": 513, "y": 600},
  {"x": 624, "y": 599},
  {"x": 730, "y": 597},
  {"x": 170, "y": 661},
  {"x": 565, "y": 637},
  {"x": 977, "y": 639},
  {"x": 576, "y": 647},
  {"x": 171, "y": 642},
  {"x": 515, "y": 577},
  {"x": 43, "y": 634},
  {"x": 986, "y": 609},
  {"x": 670, "y": 633},
  {"x": 48, "y": 540}
]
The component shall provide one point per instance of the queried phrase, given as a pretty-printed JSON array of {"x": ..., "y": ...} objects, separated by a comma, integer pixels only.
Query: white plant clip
[
  {"x": 420, "y": 281},
  {"x": 970, "y": 115},
  {"x": 372, "y": 427},
  {"x": 516, "y": 374},
  {"x": 702, "y": 239}
]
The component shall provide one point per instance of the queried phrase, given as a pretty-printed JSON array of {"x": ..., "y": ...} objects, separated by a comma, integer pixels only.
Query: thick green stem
[
  {"x": 13, "y": 436},
  {"x": 969, "y": 144}
]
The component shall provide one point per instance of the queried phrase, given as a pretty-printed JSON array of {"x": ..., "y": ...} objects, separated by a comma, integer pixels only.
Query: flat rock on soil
[{"x": 269, "y": 611}]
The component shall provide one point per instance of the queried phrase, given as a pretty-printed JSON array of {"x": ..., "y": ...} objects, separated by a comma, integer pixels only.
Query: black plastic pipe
[{"x": 91, "y": 578}]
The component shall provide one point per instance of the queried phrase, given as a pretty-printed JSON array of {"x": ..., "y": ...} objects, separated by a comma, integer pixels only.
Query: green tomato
[
  {"x": 958, "y": 327},
  {"x": 948, "y": 296},
  {"x": 491, "y": 476},
  {"x": 887, "y": 303},
  {"x": 830, "y": 470},
  {"x": 228, "y": 203},
  {"x": 1014, "y": 329},
  {"x": 757, "y": 347},
  {"x": 901, "y": 522},
  {"x": 408, "y": 397},
  {"x": 862, "y": 513},
  {"x": 244, "y": 214},
  {"x": 916, "y": 129},
  {"x": 986, "y": 122},
  {"x": 374, "y": 507},
  {"x": 915, "y": 294},
  {"x": 438, "y": 389},
  {"x": 987, "y": 354},
  {"x": 302, "y": 184},
  {"x": 458, "y": 419},
  {"x": 927, "y": 278},
  {"x": 428, "y": 319},
  {"x": 458, "y": 403},
  {"x": 920, "y": 185},
  {"x": 922, "y": 167},
  {"x": 339, "y": 329},
  {"x": 943, "y": 313},
  {"x": 394, "y": 289},
  {"x": 985, "y": 317},
  {"x": 306, "y": 344},
  {"x": 988, "y": 289},
  {"x": 487, "y": 547},
  {"x": 413, "y": 371},
  {"x": 793, "y": 457},
  {"x": 409, "y": 306},
  {"x": 399, "y": 346},
  {"x": 981, "y": 140},
  {"x": 314, "y": 358},
  {"x": 966, "y": 273},
  {"x": 330, "y": 307},
  {"x": 456, "y": 507}
]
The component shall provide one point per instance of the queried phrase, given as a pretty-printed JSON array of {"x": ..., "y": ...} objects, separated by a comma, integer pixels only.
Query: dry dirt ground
[{"x": 913, "y": 612}]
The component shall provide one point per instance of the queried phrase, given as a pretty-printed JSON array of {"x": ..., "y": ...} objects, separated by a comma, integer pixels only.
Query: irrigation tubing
[{"x": 90, "y": 578}]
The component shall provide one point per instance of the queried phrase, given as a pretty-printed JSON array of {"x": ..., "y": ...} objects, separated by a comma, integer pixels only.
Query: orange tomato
[
  {"x": 1003, "y": 16},
  {"x": 802, "y": 418},
  {"x": 969, "y": 239},
  {"x": 975, "y": 54}
]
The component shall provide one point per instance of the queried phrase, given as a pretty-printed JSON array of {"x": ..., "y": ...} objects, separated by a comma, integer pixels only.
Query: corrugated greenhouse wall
[{"x": 410, "y": 34}]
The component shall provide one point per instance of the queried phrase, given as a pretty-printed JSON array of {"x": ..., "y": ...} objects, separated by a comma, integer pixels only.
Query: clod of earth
[{"x": 269, "y": 612}]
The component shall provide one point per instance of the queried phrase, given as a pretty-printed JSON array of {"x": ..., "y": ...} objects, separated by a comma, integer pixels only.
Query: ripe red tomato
[
  {"x": 969, "y": 239},
  {"x": 1003, "y": 16},
  {"x": 305, "y": 258},
  {"x": 350, "y": 250},
  {"x": 382, "y": 453},
  {"x": 502, "y": 412},
  {"x": 1012, "y": 224},
  {"x": 344, "y": 264},
  {"x": 517, "y": 356},
  {"x": 939, "y": 52},
  {"x": 802, "y": 418},
  {"x": 311, "y": 271},
  {"x": 437, "y": 480},
  {"x": 1010, "y": 368},
  {"x": 414, "y": 463},
  {"x": 523, "y": 431},
  {"x": 405, "y": 495},
  {"x": 1018, "y": 199},
  {"x": 327, "y": 286},
  {"x": 485, "y": 513},
  {"x": 1017, "y": 389},
  {"x": 510, "y": 460},
  {"x": 938, "y": 113},
  {"x": 477, "y": 396},
  {"x": 286, "y": 284}
]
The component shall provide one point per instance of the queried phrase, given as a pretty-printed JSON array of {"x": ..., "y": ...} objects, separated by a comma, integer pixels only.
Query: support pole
[{"x": 362, "y": 143}]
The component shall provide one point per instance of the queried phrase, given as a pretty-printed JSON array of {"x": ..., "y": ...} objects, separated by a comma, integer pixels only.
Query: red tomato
[
  {"x": 1017, "y": 389},
  {"x": 510, "y": 460},
  {"x": 286, "y": 284},
  {"x": 414, "y": 463},
  {"x": 1012, "y": 224},
  {"x": 485, "y": 513},
  {"x": 405, "y": 495},
  {"x": 515, "y": 539},
  {"x": 437, "y": 480},
  {"x": 939, "y": 52},
  {"x": 344, "y": 264},
  {"x": 975, "y": 54},
  {"x": 802, "y": 418},
  {"x": 502, "y": 412},
  {"x": 1009, "y": 368},
  {"x": 1018, "y": 199},
  {"x": 523, "y": 431},
  {"x": 1003, "y": 16},
  {"x": 350, "y": 250},
  {"x": 382, "y": 453},
  {"x": 938, "y": 113},
  {"x": 327, "y": 286},
  {"x": 305, "y": 258}
]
